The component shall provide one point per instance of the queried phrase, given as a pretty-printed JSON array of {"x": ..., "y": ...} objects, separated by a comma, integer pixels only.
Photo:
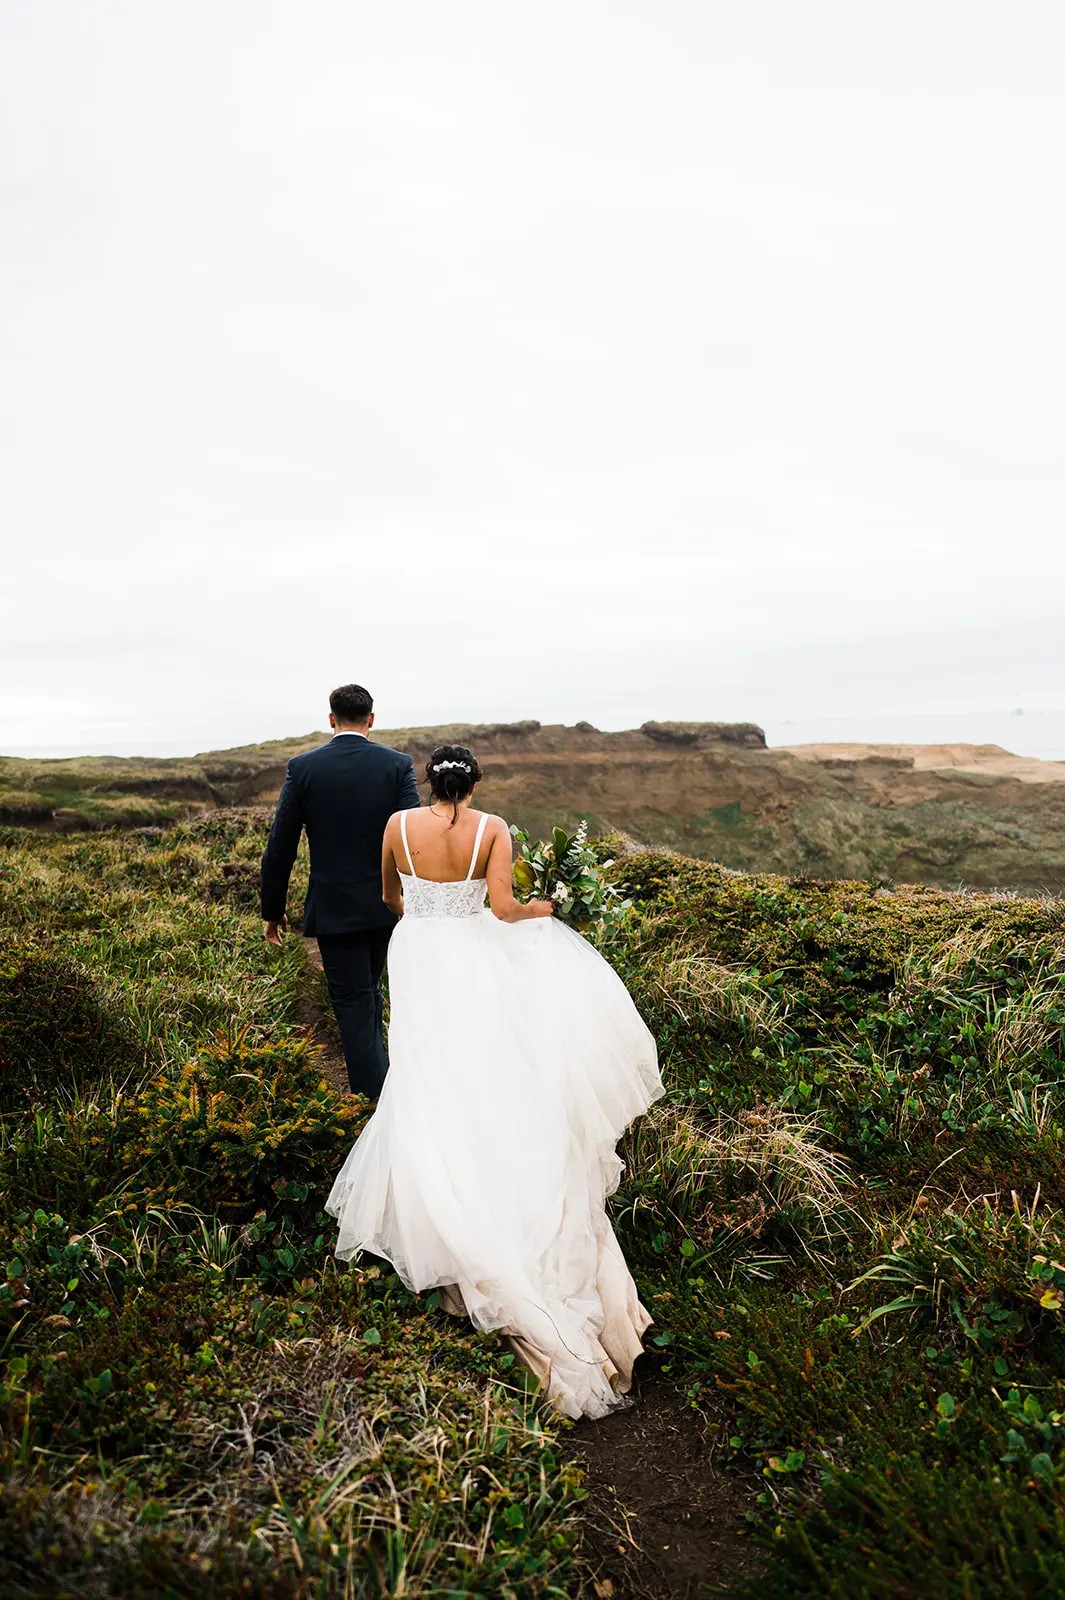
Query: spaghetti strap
[
  {"x": 406, "y": 846},
  {"x": 477, "y": 844}
]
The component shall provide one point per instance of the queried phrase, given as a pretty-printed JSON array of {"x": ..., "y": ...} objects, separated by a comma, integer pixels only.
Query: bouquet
[{"x": 565, "y": 869}]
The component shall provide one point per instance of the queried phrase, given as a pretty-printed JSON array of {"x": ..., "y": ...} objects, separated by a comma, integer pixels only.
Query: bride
[{"x": 517, "y": 1060}]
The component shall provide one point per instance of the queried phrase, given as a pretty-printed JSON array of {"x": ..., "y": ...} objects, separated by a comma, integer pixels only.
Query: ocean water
[{"x": 1024, "y": 733}]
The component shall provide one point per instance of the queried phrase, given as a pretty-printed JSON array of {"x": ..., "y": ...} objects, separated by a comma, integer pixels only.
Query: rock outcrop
[
  {"x": 701, "y": 735},
  {"x": 951, "y": 816}
]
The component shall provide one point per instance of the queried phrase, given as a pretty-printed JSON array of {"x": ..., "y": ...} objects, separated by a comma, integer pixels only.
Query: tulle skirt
[{"x": 517, "y": 1059}]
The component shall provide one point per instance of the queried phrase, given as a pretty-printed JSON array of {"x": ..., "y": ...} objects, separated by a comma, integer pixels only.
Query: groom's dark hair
[{"x": 351, "y": 703}]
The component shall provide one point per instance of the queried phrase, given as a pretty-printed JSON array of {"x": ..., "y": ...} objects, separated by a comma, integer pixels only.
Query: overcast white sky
[{"x": 573, "y": 360}]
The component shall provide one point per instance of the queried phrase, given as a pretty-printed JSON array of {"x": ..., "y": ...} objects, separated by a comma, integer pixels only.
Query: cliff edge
[{"x": 948, "y": 815}]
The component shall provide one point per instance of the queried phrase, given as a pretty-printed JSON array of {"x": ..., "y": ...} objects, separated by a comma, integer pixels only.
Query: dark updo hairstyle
[{"x": 452, "y": 783}]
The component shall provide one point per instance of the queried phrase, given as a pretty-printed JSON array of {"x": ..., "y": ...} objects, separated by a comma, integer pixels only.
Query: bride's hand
[{"x": 542, "y": 908}]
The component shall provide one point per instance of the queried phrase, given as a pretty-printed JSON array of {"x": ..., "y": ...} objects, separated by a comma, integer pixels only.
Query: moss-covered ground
[{"x": 846, "y": 1218}]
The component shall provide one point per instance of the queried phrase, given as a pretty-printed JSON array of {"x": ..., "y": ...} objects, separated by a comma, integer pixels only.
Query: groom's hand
[{"x": 272, "y": 931}]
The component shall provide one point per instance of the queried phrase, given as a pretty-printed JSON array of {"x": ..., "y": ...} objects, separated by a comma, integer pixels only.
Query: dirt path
[{"x": 662, "y": 1520}]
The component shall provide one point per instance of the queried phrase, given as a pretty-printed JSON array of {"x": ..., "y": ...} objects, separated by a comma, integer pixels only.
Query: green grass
[
  {"x": 846, "y": 1218},
  {"x": 195, "y": 1397},
  {"x": 872, "y": 820}
]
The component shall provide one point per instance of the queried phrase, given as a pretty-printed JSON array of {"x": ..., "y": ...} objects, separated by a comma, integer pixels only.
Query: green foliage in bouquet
[{"x": 566, "y": 869}]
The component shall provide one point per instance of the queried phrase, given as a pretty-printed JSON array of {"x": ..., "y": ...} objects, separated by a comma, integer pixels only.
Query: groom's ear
[
  {"x": 332, "y": 720},
  {"x": 369, "y": 721}
]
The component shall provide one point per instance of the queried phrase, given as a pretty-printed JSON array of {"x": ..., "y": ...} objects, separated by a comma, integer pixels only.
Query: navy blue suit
[{"x": 343, "y": 793}]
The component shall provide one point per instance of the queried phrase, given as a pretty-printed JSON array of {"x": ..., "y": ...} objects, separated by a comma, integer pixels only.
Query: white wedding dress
[{"x": 517, "y": 1059}]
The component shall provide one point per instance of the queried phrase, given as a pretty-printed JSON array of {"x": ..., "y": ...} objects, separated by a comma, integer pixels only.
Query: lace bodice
[
  {"x": 422, "y": 898},
  {"x": 464, "y": 897}
]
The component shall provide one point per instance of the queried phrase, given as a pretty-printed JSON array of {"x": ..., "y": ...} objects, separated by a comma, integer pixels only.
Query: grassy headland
[
  {"x": 951, "y": 816},
  {"x": 846, "y": 1217}
]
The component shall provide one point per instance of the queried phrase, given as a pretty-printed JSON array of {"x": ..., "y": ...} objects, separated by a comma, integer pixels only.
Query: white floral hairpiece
[{"x": 442, "y": 766}]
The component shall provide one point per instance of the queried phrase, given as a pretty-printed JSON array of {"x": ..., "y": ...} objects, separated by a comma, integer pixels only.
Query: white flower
[
  {"x": 582, "y": 832},
  {"x": 560, "y": 891},
  {"x": 609, "y": 863}
]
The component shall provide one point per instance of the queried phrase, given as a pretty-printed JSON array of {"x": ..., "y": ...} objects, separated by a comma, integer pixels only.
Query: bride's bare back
[{"x": 441, "y": 850}]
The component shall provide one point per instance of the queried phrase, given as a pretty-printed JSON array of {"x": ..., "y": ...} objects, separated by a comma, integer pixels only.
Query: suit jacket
[{"x": 343, "y": 793}]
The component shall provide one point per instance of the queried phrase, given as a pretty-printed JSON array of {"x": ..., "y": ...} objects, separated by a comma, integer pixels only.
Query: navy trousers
[{"x": 353, "y": 964}]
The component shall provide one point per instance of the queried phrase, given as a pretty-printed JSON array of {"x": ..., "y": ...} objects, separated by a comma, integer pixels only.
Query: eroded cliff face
[
  {"x": 952, "y": 815},
  {"x": 874, "y": 818},
  {"x": 981, "y": 818}
]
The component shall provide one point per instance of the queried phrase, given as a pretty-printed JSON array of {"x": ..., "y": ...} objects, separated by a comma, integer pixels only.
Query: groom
[{"x": 343, "y": 793}]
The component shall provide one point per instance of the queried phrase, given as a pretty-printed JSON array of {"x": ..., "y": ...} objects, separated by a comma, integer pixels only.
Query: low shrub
[
  {"x": 204, "y": 1420},
  {"x": 58, "y": 1032},
  {"x": 240, "y": 1125},
  {"x": 912, "y": 1529},
  {"x": 992, "y": 1276}
]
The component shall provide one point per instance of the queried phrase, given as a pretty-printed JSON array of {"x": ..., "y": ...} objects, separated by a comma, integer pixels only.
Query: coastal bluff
[{"x": 944, "y": 815}]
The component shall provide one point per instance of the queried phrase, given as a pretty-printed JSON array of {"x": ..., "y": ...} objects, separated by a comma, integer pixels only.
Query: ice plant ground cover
[{"x": 846, "y": 1218}]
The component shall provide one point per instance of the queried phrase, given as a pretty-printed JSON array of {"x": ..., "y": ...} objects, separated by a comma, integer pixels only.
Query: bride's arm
[
  {"x": 499, "y": 873},
  {"x": 391, "y": 888}
]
